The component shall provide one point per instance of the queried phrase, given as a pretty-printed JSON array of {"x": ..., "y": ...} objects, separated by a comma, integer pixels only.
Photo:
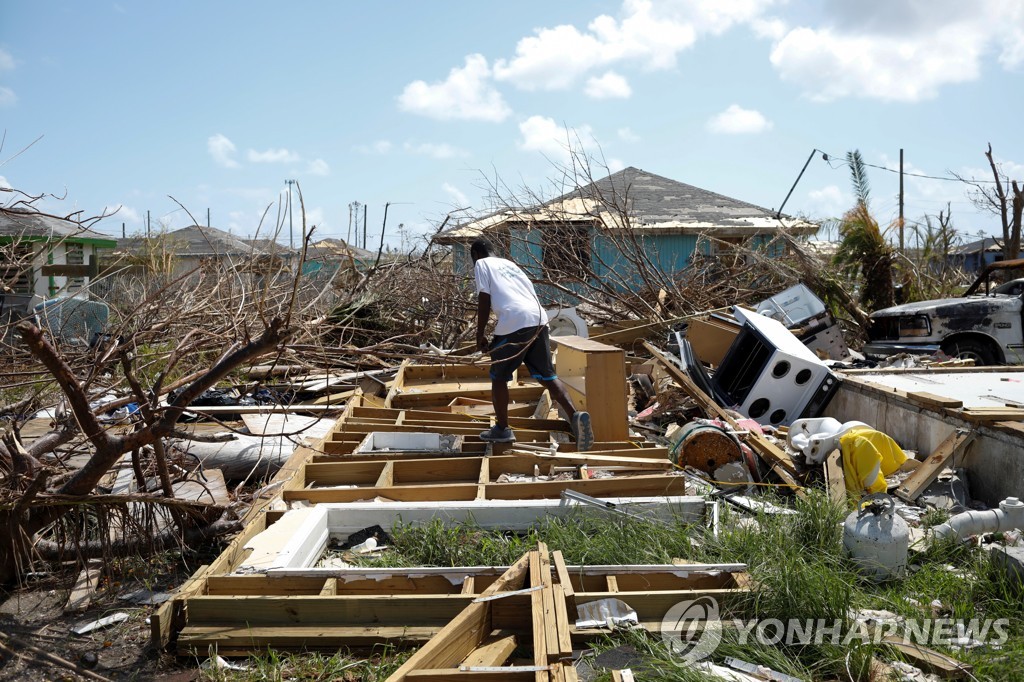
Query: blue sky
[{"x": 422, "y": 104}]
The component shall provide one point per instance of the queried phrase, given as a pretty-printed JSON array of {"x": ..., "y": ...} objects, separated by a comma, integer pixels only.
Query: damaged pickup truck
[{"x": 985, "y": 324}]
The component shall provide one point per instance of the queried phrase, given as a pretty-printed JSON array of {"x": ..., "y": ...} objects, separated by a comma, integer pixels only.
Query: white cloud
[
  {"x": 860, "y": 53},
  {"x": 773, "y": 29},
  {"x": 649, "y": 34},
  {"x": 122, "y": 213},
  {"x": 273, "y": 156},
  {"x": 542, "y": 134},
  {"x": 615, "y": 165},
  {"x": 318, "y": 167},
  {"x": 7, "y": 97},
  {"x": 259, "y": 195},
  {"x": 437, "y": 151},
  {"x": 736, "y": 120},
  {"x": 6, "y": 61},
  {"x": 315, "y": 217},
  {"x": 467, "y": 94},
  {"x": 4, "y": 184},
  {"x": 608, "y": 85},
  {"x": 222, "y": 150},
  {"x": 458, "y": 197},
  {"x": 627, "y": 135},
  {"x": 378, "y": 147},
  {"x": 827, "y": 202}
]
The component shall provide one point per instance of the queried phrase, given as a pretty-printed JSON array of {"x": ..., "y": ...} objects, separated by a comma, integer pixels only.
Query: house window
[
  {"x": 566, "y": 252},
  {"x": 74, "y": 255},
  {"x": 16, "y": 273}
]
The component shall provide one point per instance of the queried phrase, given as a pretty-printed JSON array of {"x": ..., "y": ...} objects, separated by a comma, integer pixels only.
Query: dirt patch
[{"x": 34, "y": 615}]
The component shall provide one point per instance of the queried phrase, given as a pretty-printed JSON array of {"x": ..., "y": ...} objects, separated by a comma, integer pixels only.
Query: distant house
[
  {"x": 592, "y": 230},
  {"x": 976, "y": 255},
  {"x": 199, "y": 246},
  {"x": 328, "y": 255},
  {"x": 44, "y": 256}
]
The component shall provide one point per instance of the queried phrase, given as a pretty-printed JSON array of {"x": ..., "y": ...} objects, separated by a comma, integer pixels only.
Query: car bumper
[{"x": 883, "y": 349}]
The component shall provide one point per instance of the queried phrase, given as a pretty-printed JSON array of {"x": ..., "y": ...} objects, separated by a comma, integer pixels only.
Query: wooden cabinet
[{"x": 595, "y": 376}]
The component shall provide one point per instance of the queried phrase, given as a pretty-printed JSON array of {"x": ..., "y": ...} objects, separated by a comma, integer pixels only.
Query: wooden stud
[
  {"x": 493, "y": 651},
  {"x": 564, "y": 579},
  {"x": 928, "y": 471},
  {"x": 483, "y": 479},
  {"x": 563, "y": 626},
  {"x": 835, "y": 480},
  {"x": 386, "y": 478}
]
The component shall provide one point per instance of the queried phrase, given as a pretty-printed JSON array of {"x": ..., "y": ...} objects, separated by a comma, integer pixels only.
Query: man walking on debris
[{"x": 520, "y": 336}]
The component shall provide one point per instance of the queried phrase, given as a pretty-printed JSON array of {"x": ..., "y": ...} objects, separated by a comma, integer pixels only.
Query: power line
[{"x": 828, "y": 158}]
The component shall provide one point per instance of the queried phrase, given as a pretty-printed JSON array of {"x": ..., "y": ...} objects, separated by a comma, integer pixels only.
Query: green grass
[
  {"x": 344, "y": 666},
  {"x": 797, "y": 564}
]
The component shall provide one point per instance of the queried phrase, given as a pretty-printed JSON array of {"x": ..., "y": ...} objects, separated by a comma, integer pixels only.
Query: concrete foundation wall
[{"x": 994, "y": 461}]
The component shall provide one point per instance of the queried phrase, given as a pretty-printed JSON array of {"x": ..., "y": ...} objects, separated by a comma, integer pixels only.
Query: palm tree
[{"x": 863, "y": 249}]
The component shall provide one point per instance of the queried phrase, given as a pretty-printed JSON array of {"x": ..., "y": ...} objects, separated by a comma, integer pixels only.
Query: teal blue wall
[{"x": 669, "y": 252}]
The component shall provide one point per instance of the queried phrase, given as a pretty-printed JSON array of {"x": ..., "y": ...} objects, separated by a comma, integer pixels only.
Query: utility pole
[
  {"x": 364, "y": 226},
  {"x": 291, "y": 234},
  {"x": 901, "y": 200},
  {"x": 147, "y": 225},
  {"x": 208, "y": 217}
]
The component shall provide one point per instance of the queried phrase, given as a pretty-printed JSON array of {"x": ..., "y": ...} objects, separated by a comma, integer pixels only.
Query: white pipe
[{"x": 1010, "y": 515}]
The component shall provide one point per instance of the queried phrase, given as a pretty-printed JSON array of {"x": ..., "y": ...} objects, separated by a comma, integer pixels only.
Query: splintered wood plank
[
  {"x": 564, "y": 580},
  {"x": 563, "y": 628},
  {"x": 926, "y": 473},
  {"x": 930, "y": 660},
  {"x": 540, "y": 647},
  {"x": 85, "y": 587},
  {"x": 493, "y": 651},
  {"x": 835, "y": 479},
  {"x": 469, "y": 585},
  {"x": 455, "y": 674},
  {"x": 464, "y": 633},
  {"x": 985, "y": 415},
  {"x": 356, "y": 609},
  {"x": 932, "y": 400},
  {"x": 242, "y": 640}
]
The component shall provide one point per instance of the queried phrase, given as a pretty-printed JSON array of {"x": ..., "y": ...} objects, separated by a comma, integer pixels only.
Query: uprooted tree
[{"x": 173, "y": 332}]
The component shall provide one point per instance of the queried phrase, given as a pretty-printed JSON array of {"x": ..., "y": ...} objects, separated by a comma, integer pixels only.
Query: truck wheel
[{"x": 970, "y": 349}]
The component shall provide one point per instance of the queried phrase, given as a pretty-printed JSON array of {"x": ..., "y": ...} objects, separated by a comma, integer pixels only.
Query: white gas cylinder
[{"x": 877, "y": 538}]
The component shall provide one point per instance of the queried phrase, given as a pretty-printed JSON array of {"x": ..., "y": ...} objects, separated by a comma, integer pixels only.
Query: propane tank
[{"x": 877, "y": 538}]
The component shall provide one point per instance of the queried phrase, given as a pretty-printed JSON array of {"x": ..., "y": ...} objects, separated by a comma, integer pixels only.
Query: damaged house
[
  {"x": 42, "y": 255},
  {"x": 618, "y": 227}
]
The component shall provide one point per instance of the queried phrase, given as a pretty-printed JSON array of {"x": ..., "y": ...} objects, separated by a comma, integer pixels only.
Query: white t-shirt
[{"x": 513, "y": 298}]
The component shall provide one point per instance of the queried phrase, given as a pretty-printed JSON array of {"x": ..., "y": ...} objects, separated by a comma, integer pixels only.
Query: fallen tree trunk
[{"x": 246, "y": 455}]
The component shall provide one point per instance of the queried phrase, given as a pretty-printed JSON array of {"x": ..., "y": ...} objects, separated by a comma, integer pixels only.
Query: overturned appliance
[
  {"x": 805, "y": 315},
  {"x": 770, "y": 376}
]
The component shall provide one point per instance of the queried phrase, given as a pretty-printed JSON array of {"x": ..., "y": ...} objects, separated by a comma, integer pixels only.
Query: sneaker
[
  {"x": 582, "y": 431},
  {"x": 496, "y": 434}
]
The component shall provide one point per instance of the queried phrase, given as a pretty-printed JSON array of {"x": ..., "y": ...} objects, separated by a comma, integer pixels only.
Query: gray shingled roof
[
  {"x": 655, "y": 199},
  {"x": 21, "y": 223},
  {"x": 650, "y": 200},
  {"x": 336, "y": 248},
  {"x": 199, "y": 241}
]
